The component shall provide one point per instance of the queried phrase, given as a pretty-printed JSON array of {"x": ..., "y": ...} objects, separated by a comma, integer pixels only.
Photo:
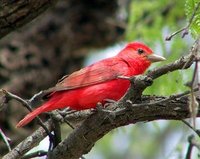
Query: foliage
[
  {"x": 151, "y": 22},
  {"x": 190, "y": 6}
]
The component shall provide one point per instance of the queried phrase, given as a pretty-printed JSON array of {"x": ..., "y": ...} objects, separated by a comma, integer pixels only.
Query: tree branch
[
  {"x": 14, "y": 14},
  {"x": 82, "y": 139},
  {"x": 30, "y": 142}
]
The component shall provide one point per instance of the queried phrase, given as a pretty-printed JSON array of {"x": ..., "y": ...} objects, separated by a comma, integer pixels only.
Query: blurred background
[{"x": 77, "y": 33}]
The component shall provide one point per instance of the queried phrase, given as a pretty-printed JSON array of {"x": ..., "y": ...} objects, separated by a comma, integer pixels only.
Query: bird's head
[
  {"x": 138, "y": 54},
  {"x": 141, "y": 52}
]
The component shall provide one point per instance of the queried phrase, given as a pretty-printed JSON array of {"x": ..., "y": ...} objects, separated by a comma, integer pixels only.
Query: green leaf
[{"x": 190, "y": 6}]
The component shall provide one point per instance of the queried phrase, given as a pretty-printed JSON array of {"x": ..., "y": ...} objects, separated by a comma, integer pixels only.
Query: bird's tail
[{"x": 29, "y": 117}]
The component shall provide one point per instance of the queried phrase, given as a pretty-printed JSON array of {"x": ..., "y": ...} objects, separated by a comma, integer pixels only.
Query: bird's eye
[{"x": 140, "y": 51}]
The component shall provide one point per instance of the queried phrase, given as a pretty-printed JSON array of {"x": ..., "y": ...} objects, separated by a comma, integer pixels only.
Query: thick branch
[
  {"x": 182, "y": 63},
  {"x": 97, "y": 125},
  {"x": 14, "y": 14},
  {"x": 82, "y": 139}
]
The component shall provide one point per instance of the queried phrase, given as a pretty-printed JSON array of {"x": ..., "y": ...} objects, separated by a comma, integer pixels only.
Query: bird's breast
[{"x": 91, "y": 95}]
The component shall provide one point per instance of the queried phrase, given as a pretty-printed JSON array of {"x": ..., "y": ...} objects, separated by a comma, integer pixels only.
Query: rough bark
[
  {"x": 14, "y": 14},
  {"x": 96, "y": 126}
]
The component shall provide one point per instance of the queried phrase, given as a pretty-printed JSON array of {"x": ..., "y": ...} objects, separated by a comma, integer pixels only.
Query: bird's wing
[{"x": 99, "y": 72}]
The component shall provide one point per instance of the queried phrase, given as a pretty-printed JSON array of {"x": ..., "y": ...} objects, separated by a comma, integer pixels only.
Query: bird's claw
[
  {"x": 110, "y": 102},
  {"x": 110, "y": 114}
]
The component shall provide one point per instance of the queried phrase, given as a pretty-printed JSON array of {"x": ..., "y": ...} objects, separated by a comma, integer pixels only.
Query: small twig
[
  {"x": 5, "y": 139},
  {"x": 36, "y": 97},
  {"x": 184, "y": 29},
  {"x": 168, "y": 38},
  {"x": 39, "y": 153},
  {"x": 9, "y": 96},
  {"x": 191, "y": 127}
]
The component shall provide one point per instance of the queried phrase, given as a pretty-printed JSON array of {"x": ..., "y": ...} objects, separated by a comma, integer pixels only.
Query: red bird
[{"x": 83, "y": 89}]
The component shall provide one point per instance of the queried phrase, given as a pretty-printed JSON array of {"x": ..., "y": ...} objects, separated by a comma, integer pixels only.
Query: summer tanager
[{"x": 83, "y": 89}]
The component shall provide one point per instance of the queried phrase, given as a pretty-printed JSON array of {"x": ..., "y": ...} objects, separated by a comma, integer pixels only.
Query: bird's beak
[{"x": 155, "y": 58}]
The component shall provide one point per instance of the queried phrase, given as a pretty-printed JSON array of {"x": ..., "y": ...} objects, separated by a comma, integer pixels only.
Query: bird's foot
[
  {"x": 110, "y": 102},
  {"x": 59, "y": 116},
  {"x": 101, "y": 108},
  {"x": 110, "y": 114},
  {"x": 66, "y": 112}
]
